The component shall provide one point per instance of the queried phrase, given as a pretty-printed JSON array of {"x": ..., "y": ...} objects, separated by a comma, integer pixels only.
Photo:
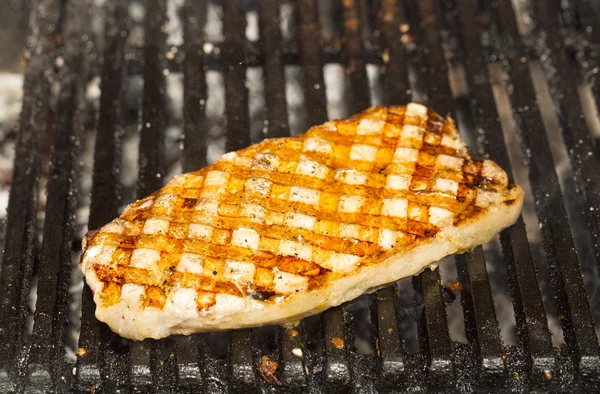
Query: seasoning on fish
[{"x": 290, "y": 227}]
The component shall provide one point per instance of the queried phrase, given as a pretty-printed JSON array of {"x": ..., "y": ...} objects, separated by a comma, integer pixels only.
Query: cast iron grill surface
[{"x": 120, "y": 95}]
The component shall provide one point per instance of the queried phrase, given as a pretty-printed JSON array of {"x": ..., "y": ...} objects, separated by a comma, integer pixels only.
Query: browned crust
[{"x": 342, "y": 134}]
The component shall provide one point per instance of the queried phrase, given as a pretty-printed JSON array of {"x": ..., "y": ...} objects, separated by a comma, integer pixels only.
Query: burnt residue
[
  {"x": 268, "y": 370},
  {"x": 260, "y": 295}
]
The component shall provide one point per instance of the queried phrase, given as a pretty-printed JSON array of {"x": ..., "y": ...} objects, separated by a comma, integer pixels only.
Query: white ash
[
  {"x": 11, "y": 96},
  {"x": 295, "y": 100},
  {"x": 252, "y": 26},
  {"x": 335, "y": 84}
]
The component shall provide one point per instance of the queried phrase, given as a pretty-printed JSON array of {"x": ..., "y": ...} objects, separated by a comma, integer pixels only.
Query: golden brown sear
[{"x": 292, "y": 226}]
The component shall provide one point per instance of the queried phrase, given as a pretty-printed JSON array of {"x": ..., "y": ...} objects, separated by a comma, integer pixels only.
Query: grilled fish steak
[{"x": 290, "y": 227}]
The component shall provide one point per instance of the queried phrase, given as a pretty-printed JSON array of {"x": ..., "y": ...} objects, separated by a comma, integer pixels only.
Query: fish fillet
[{"x": 290, "y": 227}]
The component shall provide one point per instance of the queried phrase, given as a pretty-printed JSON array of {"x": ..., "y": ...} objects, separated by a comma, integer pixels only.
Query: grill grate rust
[{"x": 414, "y": 45}]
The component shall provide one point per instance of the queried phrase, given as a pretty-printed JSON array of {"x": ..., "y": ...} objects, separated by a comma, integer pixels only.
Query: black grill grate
[{"x": 416, "y": 47}]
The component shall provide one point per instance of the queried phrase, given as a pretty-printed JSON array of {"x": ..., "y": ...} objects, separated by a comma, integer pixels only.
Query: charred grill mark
[
  {"x": 469, "y": 214},
  {"x": 189, "y": 203},
  {"x": 188, "y": 192},
  {"x": 118, "y": 276},
  {"x": 111, "y": 293},
  {"x": 261, "y": 295},
  {"x": 289, "y": 264},
  {"x": 154, "y": 297},
  {"x": 87, "y": 239},
  {"x": 434, "y": 125}
]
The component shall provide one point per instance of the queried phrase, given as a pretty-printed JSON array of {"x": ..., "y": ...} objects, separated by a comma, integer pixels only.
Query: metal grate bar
[
  {"x": 293, "y": 374},
  {"x": 589, "y": 56},
  {"x": 14, "y": 18},
  {"x": 550, "y": 208},
  {"x": 417, "y": 63},
  {"x": 151, "y": 151},
  {"x": 480, "y": 316},
  {"x": 478, "y": 79},
  {"x": 195, "y": 127},
  {"x": 140, "y": 364},
  {"x": 385, "y": 338},
  {"x": 337, "y": 370},
  {"x": 522, "y": 277},
  {"x": 312, "y": 63},
  {"x": 103, "y": 350},
  {"x": 195, "y": 133},
  {"x": 238, "y": 137},
  {"x": 18, "y": 258},
  {"x": 189, "y": 375},
  {"x": 434, "y": 332},
  {"x": 88, "y": 368},
  {"x": 292, "y": 368},
  {"x": 315, "y": 105},
  {"x": 559, "y": 73},
  {"x": 47, "y": 361},
  {"x": 236, "y": 93},
  {"x": 390, "y": 348},
  {"x": 164, "y": 366},
  {"x": 243, "y": 373},
  {"x": 267, "y": 349},
  {"x": 439, "y": 93},
  {"x": 273, "y": 72},
  {"x": 480, "y": 324},
  {"x": 395, "y": 74},
  {"x": 151, "y": 148},
  {"x": 355, "y": 58},
  {"x": 215, "y": 361},
  {"x": 530, "y": 317},
  {"x": 362, "y": 365}
]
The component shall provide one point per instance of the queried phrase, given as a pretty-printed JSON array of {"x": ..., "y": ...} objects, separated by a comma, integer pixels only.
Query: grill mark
[
  {"x": 170, "y": 254},
  {"x": 340, "y": 245},
  {"x": 369, "y": 220},
  {"x": 290, "y": 150},
  {"x": 154, "y": 297},
  {"x": 115, "y": 278},
  {"x": 387, "y": 142},
  {"x": 275, "y": 205},
  {"x": 189, "y": 203},
  {"x": 373, "y": 188},
  {"x": 111, "y": 293},
  {"x": 327, "y": 186}
]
